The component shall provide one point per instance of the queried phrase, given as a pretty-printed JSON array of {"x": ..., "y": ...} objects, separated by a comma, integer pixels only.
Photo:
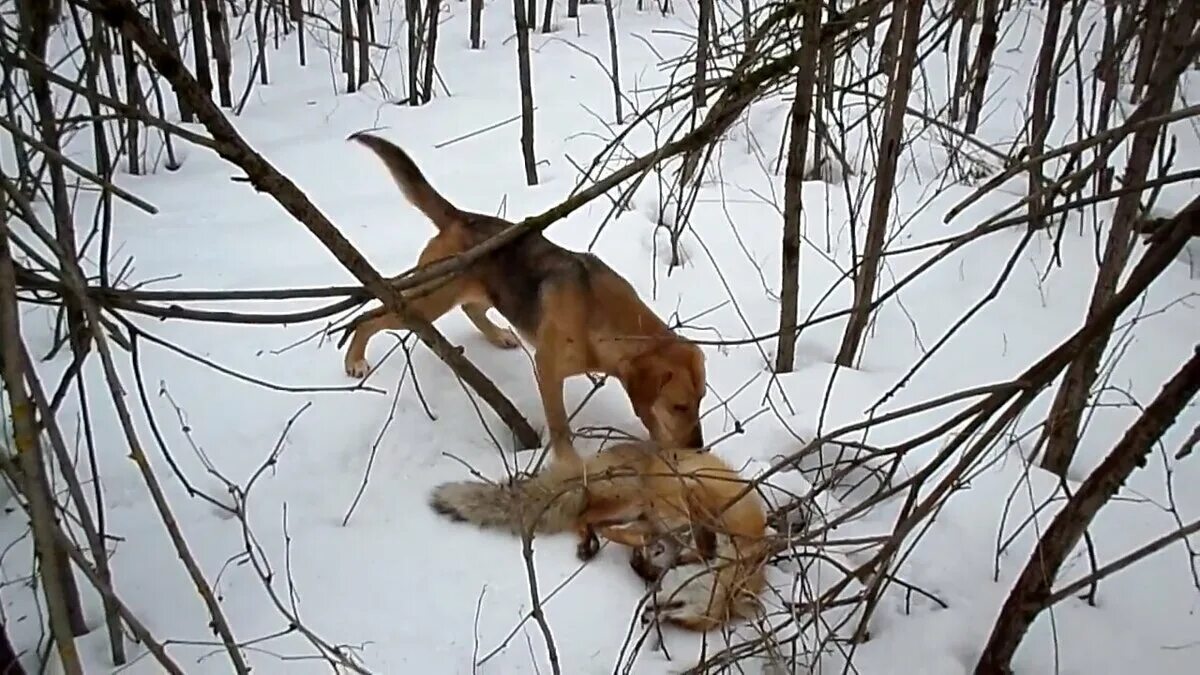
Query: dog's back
[{"x": 515, "y": 274}]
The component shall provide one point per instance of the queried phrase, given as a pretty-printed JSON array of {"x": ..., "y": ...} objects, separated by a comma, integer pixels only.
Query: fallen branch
[{"x": 1032, "y": 592}]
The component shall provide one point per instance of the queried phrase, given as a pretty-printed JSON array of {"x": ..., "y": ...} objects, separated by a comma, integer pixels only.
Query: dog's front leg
[
  {"x": 502, "y": 338},
  {"x": 550, "y": 386}
]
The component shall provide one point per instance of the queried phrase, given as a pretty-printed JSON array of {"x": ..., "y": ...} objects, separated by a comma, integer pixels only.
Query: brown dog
[{"x": 578, "y": 313}]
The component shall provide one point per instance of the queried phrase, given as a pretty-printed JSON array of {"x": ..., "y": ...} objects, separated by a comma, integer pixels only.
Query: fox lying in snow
[{"x": 682, "y": 511}]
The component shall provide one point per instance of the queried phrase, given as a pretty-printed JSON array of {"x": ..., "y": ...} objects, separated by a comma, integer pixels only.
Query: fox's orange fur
[{"x": 641, "y": 495}]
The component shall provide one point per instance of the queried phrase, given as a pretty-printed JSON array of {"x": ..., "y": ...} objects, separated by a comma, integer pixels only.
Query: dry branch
[
  {"x": 900, "y": 84},
  {"x": 1063, "y": 423},
  {"x": 75, "y": 284},
  {"x": 1032, "y": 591},
  {"x": 31, "y": 479}
]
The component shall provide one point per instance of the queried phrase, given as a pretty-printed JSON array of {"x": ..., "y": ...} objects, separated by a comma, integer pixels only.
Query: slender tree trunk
[
  {"x": 431, "y": 20},
  {"x": 35, "y": 33},
  {"x": 523, "y": 68},
  {"x": 1152, "y": 31},
  {"x": 548, "y": 16},
  {"x": 412, "y": 12},
  {"x": 825, "y": 88},
  {"x": 614, "y": 61},
  {"x": 700, "y": 88},
  {"x": 218, "y": 30},
  {"x": 476, "y": 22},
  {"x": 886, "y": 56},
  {"x": 793, "y": 202},
  {"x": 296, "y": 10},
  {"x": 988, "y": 36},
  {"x": 199, "y": 45},
  {"x": 25, "y": 179},
  {"x": 347, "y": 25},
  {"x": 962, "y": 65},
  {"x": 885, "y": 179},
  {"x": 36, "y": 19},
  {"x": 1041, "y": 117},
  {"x": 172, "y": 162},
  {"x": 9, "y": 663},
  {"x": 104, "y": 163},
  {"x": 1034, "y": 586},
  {"x": 364, "y": 47},
  {"x": 260, "y": 35},
  {"x": 165, "y": 17},
  {"x": 1110, "y": 63},
  {"x": 1066, "y": 414},
  {"x": 133, "y": 94},
  {"x": 110, "y": 74}
]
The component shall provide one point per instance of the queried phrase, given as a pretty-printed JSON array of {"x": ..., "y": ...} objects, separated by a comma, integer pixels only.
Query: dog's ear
[
  {"x": 698, "y": 373},
  {"x": 687, "y": 355},
  {"x": 643, "y": 379}
]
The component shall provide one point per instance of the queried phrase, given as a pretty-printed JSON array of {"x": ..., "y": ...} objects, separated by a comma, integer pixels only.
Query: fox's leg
[
  {"x": 704, "y": 546},
  {"x": 603, "y": 517},
  {"x": 635, "y": 534}
]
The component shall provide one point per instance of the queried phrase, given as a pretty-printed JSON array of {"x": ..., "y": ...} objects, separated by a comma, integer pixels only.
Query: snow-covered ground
[{"x": 413, "y": 593}]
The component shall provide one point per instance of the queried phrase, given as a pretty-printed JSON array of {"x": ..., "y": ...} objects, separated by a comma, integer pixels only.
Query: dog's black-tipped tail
[{"x": 412, "y": 182}]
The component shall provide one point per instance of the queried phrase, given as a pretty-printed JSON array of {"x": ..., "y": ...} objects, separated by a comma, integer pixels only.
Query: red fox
[{"x": 645, "y": 497}]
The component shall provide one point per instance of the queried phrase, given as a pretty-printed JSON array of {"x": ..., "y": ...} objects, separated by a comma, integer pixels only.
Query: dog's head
[{"x": 665, "y": 387}]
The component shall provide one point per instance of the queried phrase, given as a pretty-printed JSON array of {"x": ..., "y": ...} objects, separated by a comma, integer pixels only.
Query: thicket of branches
[{"x": 120, "y": 76}]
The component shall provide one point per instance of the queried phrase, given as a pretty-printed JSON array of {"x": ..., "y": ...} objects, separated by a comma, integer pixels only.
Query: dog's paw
[
  {"x": 506, "y": 339},
  {"x": 588, "y": 547},
  {"x": 357, "y": 369}
]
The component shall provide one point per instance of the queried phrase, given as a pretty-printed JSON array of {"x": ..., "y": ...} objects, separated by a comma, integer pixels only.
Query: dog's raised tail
[
  {"x": 547, "y": 501},
  {"x": 412, "y": 182}
]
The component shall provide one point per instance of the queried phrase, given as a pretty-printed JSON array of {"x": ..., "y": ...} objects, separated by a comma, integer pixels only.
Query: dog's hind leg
[
  {"x": 430, "y": 308},
  {"x": 429, "y": 303},
  {"x": 504, "y": 338}
]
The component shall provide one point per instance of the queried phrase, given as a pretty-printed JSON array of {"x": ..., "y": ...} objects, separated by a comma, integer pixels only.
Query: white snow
[{"x": 411, "y": 592}]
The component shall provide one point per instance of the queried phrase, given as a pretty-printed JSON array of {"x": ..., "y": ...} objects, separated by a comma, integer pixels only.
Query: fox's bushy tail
[
  {"x": 412, "y": 182},
  {"x": 547, "y": 503}
]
